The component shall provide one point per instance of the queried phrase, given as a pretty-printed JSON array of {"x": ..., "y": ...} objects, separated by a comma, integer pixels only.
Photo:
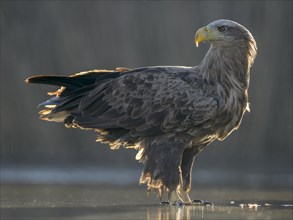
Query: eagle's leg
[
  {"x": 186, "y": 168},
  {"x": 185, "y": 197},
  {"x": 173, "y": 199}
]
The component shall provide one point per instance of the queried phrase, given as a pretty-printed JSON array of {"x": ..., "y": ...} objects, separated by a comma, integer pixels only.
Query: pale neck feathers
[{"x": 229, "y": 64}]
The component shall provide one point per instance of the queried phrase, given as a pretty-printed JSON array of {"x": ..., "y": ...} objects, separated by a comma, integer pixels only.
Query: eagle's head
[{"x": 228, "y": 34}]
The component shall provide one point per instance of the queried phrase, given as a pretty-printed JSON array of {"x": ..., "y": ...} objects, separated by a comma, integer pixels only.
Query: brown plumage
[{"x": 167, "y": 113}]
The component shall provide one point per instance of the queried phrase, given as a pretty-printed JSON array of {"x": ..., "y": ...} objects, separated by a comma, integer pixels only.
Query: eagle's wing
[{"x": 148, "y": 101}]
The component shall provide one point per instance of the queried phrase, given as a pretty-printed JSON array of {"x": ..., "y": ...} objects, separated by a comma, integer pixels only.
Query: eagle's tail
[
  {"x": 66, "y": 99},
  {"x": 70, "y": 83}
]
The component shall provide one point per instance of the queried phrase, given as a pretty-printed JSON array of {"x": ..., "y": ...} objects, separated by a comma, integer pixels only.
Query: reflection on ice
[
  {"x": 287, "y": 205},
  {"x": 230, "y": 210},
  {"x": 253, "y": 206},
  {"x": 177, "y": 212}
]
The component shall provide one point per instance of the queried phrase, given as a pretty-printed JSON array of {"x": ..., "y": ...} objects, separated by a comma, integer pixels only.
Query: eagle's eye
[{"x": 221, "y": 28}]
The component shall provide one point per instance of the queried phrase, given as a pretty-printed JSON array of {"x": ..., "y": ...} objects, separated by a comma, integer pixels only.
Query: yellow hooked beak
[{"x": 204, "y": 34}]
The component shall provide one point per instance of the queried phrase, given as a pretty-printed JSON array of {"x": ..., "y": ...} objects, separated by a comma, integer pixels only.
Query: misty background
[{"x": 62, "y": 38}]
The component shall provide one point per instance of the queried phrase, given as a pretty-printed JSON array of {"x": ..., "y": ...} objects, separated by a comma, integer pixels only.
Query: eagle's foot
[
  {"x": 165, "y": 203},
  {"x": 181, "y": 198},
  {"x": 177, "y": 198},
  {"x": 177, "y": 203},
  {"x": 173, "y": 199},
  {"x": 202, "y": 203}
]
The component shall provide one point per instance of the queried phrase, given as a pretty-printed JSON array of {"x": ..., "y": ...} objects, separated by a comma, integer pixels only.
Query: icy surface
[{"x": 132, "y": 202}]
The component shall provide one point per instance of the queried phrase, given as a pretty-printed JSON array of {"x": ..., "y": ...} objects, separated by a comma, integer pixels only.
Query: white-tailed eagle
[{"x": 167, "y": 113}]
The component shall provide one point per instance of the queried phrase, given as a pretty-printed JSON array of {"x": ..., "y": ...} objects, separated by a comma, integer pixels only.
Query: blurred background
[{"x": 59, "y": 37}]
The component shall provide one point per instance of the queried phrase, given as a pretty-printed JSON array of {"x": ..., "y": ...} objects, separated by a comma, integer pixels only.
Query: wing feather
[{"x": 145, "y": 101}]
